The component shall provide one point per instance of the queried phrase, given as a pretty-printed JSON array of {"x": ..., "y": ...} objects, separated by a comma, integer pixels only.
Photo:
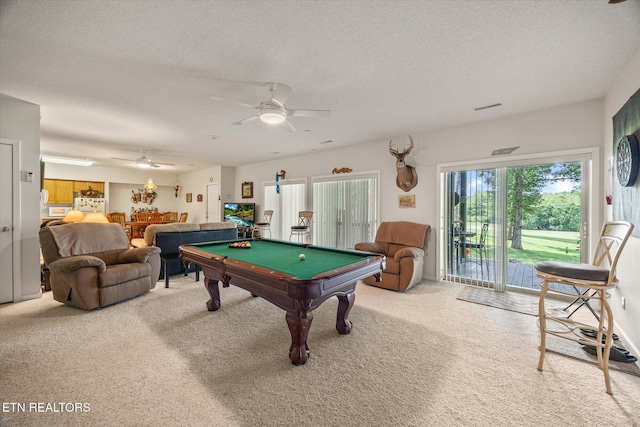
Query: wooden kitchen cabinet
[
  {"x": 61, "y": 190},
  {"x": 64, "y": 191},
  {"x": 50, "y": 186},
  {"x": 84, "y": 185}
]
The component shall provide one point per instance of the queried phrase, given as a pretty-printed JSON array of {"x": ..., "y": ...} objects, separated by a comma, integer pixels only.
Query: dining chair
[
  {"x": 141, "y": 216},
  {"x": 170, "y": 217},
  {"x": 304, "y": 226},
  {"x": 183, "y": 217},
  {"x": 481, "y": 248},
  {"x": 264, "y": 225},
  {"x": 155, "y": 218},
  {"x": 597, "y": 278},
  {"x": 120, "y": 218}
]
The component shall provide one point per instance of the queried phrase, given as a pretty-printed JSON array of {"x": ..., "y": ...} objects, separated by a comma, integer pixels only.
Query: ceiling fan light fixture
[
  {"x": 272, "y": 115},
  {"x": 143, "y": 164}
]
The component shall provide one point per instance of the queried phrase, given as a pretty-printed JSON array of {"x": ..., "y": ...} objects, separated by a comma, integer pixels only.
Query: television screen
[{"x": 242, "y": 214}]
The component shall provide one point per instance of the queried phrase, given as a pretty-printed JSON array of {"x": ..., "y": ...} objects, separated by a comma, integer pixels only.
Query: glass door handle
[
  {"x": 5, "y": 229},
  {"x": 584, "y": 229}
]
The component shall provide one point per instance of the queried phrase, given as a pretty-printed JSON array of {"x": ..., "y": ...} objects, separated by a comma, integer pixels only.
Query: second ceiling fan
[
  {"x": 274, "y": 111},
  {"x": 144, "y": 162}
]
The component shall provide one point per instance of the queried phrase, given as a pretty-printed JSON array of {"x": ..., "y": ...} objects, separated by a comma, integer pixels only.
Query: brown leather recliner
[
  {"x": 91, "y": 265},
  {"x": 405, "y": 245}
]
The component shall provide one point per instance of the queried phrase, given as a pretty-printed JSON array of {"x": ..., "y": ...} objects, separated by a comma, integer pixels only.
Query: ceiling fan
[
  {"x": 274, "y": 111},
  {"x": 144, "y": 161}
]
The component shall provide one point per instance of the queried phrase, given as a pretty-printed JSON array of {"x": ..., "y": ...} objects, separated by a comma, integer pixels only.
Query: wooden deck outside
[{"x": 518, "y": 274}]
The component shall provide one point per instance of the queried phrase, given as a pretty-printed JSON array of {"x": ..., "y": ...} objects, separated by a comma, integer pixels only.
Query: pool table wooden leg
[
  {"x": 214, "y": 292},
  {"x": 345, "y": 302},
  {"x": 299, "y": 323}
]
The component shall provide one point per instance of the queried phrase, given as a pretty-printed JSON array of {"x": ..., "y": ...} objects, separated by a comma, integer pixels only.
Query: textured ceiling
[{"x": 114, "y": 77}]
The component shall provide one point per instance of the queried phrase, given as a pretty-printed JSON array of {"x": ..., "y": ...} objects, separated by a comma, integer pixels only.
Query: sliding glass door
[{"x": 500, "y": 221}]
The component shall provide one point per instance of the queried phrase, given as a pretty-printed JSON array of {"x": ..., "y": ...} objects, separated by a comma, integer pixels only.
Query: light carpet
[
  {"x": 528, "y": 304},
  {"x": 420, "y": 358}
]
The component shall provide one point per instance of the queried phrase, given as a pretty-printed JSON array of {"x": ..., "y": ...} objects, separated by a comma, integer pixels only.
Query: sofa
[
  {"x": 169, "y": 237},
  {"x": 91, "y": 265},
  {"x": 405, "y": 246}
]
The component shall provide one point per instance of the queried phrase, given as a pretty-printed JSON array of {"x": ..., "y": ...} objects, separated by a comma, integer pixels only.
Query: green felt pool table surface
[{"x": 285, "y": 256}]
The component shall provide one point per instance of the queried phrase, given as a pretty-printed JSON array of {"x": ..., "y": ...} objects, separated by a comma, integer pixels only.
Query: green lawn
[{"x": 539, "y": 245}]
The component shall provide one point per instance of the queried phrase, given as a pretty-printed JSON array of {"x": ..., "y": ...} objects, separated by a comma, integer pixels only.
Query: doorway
[
  {"x": 7, "y": 229},
  {"x": 213, "y": 203},
  {"x": 500, "y": 221}
]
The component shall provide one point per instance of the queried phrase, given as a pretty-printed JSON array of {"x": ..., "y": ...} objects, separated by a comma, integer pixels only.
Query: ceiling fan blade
[
  {"x": 126, "y": 160},
  {"x": 248, "y": 119},
  {"x": 309, "y": 113},
  {"x": 158, "y": 164},
  {"x": 280, "y": 92},
  {"x": 231, "y": 101},
  {"x": 290, "y": 127}
]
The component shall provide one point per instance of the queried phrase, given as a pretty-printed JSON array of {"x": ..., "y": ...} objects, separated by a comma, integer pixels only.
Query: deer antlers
[{"x": 404, "y": 152}]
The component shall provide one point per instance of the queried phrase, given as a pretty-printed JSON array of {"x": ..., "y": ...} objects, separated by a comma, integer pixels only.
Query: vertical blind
[
  {"x": 345, "y": 210},
  {"x": 285, "y": 206},
  {"x": 474, "y": 199}
]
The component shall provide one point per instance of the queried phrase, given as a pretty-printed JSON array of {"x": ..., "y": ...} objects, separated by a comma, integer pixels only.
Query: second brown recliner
[{"x": 405, "y": 246}]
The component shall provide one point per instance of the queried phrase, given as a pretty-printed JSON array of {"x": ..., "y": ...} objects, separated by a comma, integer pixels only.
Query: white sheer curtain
[
  {"x": 345, "y": 210},
  {"x": 285, "y": 205}
]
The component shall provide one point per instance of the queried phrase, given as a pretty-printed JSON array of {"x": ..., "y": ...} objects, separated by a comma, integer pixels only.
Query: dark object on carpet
[
  {"x": 616, "y": 354},
  {"x": 571, "y": 349},
  {"x": 591, "y": 333}
]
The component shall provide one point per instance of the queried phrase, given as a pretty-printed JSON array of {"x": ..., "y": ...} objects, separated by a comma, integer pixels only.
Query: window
[
  {"x": 345, "y": 210},
  {"x": 285, "y": 205}
]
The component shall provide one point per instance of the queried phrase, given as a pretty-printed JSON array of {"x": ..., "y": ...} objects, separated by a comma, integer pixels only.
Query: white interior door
[
  {"x": 6, "y": 223},
  {"x": 213, "y": 203}
]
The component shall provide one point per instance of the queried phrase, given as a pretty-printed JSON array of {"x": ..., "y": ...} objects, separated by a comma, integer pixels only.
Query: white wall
[
  {"x": 196, "y": 183},
  {"x": 20, "y": 120},
  {"x": 561, "y": 128},
  {"x": 628, "y": 319}
]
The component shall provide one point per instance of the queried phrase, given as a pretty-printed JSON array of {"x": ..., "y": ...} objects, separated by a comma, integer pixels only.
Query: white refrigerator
[{"x": 89, "y": 204}]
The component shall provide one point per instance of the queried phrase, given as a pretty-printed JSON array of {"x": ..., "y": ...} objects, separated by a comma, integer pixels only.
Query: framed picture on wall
[
  {"x": 189, "y": 198},
  {"x": 408, "y": 201},
  {"x": 247, "y": 190}
]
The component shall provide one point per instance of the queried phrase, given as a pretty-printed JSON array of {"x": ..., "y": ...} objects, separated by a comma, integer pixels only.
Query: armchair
[
  {"x": 405, "y": 245},
  {"x": 91, "y": 265}
]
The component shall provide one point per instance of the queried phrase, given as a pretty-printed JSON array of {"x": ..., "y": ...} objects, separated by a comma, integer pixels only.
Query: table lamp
[
  {"x": 73, "y": 216},
  {"x": 96, "y": 217}
]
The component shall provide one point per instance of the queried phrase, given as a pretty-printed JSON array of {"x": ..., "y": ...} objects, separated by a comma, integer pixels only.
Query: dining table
[
  {"x": 137, "y": 227},
  {"x": 458, "y": 240}
]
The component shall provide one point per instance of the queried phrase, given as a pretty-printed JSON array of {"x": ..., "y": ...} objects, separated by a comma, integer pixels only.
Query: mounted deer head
[{"x": 407, "y": 177}]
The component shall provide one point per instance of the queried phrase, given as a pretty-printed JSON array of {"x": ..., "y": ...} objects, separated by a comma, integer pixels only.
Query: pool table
[{"x": 273, "y": 270}]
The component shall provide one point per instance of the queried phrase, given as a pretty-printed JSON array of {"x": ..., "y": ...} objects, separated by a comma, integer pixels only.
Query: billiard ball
[{"x": 301, "y": 257}]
